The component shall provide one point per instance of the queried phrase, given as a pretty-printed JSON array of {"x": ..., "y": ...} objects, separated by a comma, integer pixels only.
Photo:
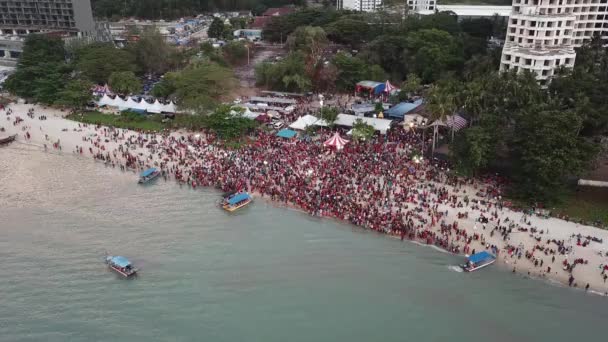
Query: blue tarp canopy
[
  {"x": 481, "y": 256},
  {"x": 238, "y": 198},
  {"x": 286, "y": 133},
  {"x": 120, "y": 261},
  {"x": 148, "y": 172},
  {"x": 399, "y": 110}
]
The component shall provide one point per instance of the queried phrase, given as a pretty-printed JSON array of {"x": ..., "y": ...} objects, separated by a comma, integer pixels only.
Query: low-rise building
[{"x": 359, "y": 5}]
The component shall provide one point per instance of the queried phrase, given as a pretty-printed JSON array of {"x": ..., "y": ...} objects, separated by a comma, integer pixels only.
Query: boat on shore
[
  {"x": 236, "y": 201},
  {"x": 121, "y": 265},
  {"x": 478, "y": 261},
  {"x": 8, "y": 140},
  {"x": 148, "y": 175}
]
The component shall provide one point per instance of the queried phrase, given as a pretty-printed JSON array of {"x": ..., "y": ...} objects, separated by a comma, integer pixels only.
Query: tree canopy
[
  {"x": 98, "y": 61},
  {"x": 200, "y": 86}
]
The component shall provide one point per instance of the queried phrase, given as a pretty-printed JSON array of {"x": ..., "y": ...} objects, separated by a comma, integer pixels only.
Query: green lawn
[
  {"x": 587, "y": 204},
  {"x": 125, "y": 120}
]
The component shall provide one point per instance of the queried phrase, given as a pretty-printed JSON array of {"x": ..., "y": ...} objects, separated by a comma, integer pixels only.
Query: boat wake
[{"x": 455, "y": 268}]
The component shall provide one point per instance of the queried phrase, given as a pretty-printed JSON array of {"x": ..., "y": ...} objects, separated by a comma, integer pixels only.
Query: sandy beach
[{"x": 529, "y": 234}]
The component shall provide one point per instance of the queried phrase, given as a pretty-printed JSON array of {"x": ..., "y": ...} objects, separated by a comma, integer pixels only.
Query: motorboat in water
[
  {"x": 121, "y": 265},
  {"x": 236, "y": 201},
  {"x": 478, "y": 261},
  {"x": 148, "y": 175}
]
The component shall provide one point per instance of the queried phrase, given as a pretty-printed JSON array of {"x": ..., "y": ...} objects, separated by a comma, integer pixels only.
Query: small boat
[
  {"x": 8, "y": 140},
  {"x": 478, "y": 260},
  {"x": 148, "y": 175},
  {"x": 121, "y": 266},
  {"x": 236, "y": 201}
]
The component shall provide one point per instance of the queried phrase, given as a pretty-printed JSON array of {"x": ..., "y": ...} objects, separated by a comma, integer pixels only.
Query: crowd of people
[{"x": 377, "y": 185}]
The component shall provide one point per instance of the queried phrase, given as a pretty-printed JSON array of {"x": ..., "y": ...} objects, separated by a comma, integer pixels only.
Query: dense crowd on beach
[{"x": 376, "y": 184}]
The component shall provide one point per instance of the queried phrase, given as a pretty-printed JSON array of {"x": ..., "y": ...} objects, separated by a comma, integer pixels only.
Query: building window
[{"x": 546, "y": 63}]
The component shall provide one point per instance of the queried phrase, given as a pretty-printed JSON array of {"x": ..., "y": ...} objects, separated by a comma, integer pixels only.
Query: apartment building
[
  {"x": 20, "y": 17},
  {"x": 359, "y": 5},
  {"x": 542, "y": 34},
  {"x": 418, "y": 6}
]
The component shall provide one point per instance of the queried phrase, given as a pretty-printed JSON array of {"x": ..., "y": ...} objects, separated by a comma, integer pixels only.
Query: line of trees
[
  {"x": 50, "y": 73},
  {"x": 381, "y": 46},
  {"x": 540, "y": 137}
]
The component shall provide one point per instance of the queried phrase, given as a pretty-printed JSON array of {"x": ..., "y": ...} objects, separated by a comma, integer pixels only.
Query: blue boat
[
  {"x": 148, "y": 175},
  {"x": 478, "y": 260},
  {"x": 121, "y": 265},
  {"x": 236, "y": 201}
]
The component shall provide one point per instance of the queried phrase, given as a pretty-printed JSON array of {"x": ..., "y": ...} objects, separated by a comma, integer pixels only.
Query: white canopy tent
[
  {"x": 156, "y": 107},
  {"x": 130, "y": 103},
  {"x": 308, "y": 120},
  {"x": 381, "y": 125},
  {"x": 105, "y": 100}
]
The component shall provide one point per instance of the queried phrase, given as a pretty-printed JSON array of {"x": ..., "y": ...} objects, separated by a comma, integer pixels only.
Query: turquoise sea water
[{"x": 262, "y": 274}]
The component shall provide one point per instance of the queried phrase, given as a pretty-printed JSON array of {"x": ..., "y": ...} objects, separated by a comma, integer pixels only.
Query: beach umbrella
[{"x": 336, "y": 141}]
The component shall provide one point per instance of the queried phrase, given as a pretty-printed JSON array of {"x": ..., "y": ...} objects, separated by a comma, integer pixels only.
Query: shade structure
[
  {"x": 455, "y": 122},
  {"x": 308, "y": 120},
  {"x": 156, "y": 107},
  {"x": 336, "y": 141},
  {"x": 105, "y": 100},
  {"x": 381, "y": 125},
  {"x": 132, "y": 104},
  {"x": 286, "y": 133},
  {"x": 388, "y": 87},
  {"x": 169, "y": 108}
]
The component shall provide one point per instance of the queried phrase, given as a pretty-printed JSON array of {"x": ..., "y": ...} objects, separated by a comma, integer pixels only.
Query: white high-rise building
[
  {"x": 359, "y": 5},
  {"x": 421, "y": 5},
  {"x": 542, "y": 34}
]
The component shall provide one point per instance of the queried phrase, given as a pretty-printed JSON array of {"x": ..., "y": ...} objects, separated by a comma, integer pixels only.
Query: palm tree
[{"x": 441, "y": 103}]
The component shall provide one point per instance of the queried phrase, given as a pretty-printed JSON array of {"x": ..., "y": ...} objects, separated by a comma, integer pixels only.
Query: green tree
[
  {"x": 348, "y": 31},
  {"x": 216, "y": 29},
  {"x": 98, "y": 61},
  {"x": 388, "y": 51},
  {"x": 165, "y": 88},
  {"x": 125, "y": 82},
  {"x": 309, "y": 39},
  {"x": 433, "y": 53},
  {"x": 441, "y": 103},
  {"x": 376, "y": 73},
  {"x": 288, "y": 74},
  {"x": 329, "y": 114},
  {"x": 235, "y": 52},
  {"x": 412, "y": 85},
  {"x": 201, "y": 86},
  {"x": 228, "y": 122},
  {"x": 41, "y": 72},
  {"x": 350, "y": 71},
  {"x": 362, "y": 131},
  {"x": 77, "y": 94},
  {"x": 473, "y": 151},
  {"x": 547, "y": 148},
  {"x": 153, "y": 54}
]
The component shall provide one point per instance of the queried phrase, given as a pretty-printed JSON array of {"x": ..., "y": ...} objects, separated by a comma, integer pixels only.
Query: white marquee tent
[
  {"x": 308, "y": 120},
  {"x": 381, "y": 125},
  {"x": 130, "y": 103}
]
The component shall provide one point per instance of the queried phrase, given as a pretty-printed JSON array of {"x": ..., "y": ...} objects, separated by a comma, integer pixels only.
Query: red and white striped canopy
[
  {"x": 388, "y": 87},
  {"x": 336, "y": 141},
  {"x": 455, "y": 121}
]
